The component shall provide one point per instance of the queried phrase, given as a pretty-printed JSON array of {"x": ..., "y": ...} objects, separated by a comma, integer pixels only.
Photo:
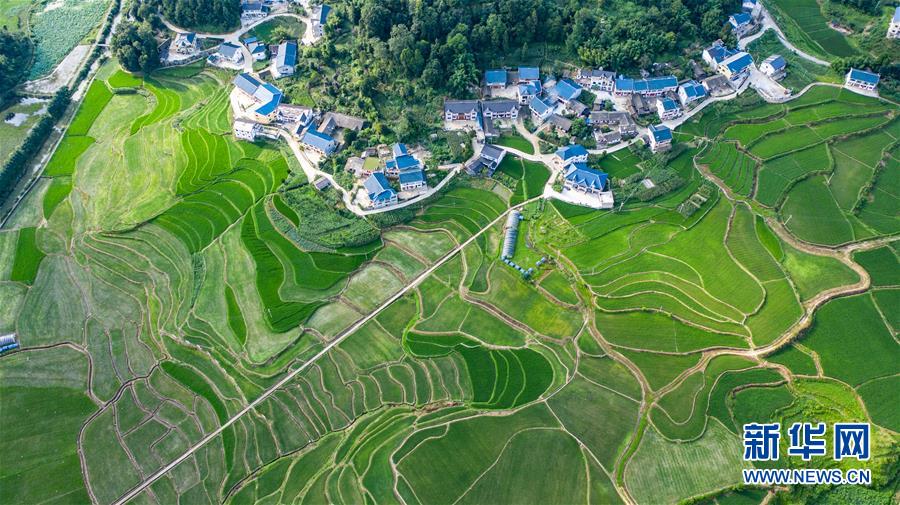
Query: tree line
[
  {"x": 17, "y": 164},
  {"x": 15, "y": 61}
]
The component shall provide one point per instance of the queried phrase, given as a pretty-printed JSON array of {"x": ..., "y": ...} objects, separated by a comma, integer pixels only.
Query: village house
[
  {"x": 528, "y": 74},
  {"x": 716, "y": 54},
  {"x": 246, "y": 130},
  {"x": 541, "y": 110},
  {"x": 561, "y": 124},
  {"x": 412, "y": 179},
  {"x": 286, "y": 113},
  {"x": 485, "y": 125},
  {"x": 774, "y": 66},
  {"x": 186, "y": 43},
  {"x": 487, "y": 161},
  {"x": 717, "y": 85},
  {"x": 660, "y": 137},
  {"x": 623, "y": 122},
  {"x": 861, "y": 79},
  {"x": 653, "y": 86},
  {"x": 566, "y": 90},
  {"x": 599, "y": 79},
  {"x": 736, "y": 67},
  {"x": 257, "y": 49},
  {"x": 252, "y": 10},
  {"x": 321, "y": 184},
  {"x": 460, "y": 110},
  {"x": 667, "y": 109},
  {"x": 752, "y": 7},
  {"x": 572, "y": 153},
  {"x": 691, "y": 91},
  {"x": 319, "y": 19},
  {"x": 637, "y": 105},
  {"x": 579, "y": 177},
  {"x": 379, "y": 191},
  {"x": 528, "y": 91},
  {"x": 285, "y": 60},
  {"x": 894, "y": 27},
  {"x": 266, "y": 97},
  {"x": 607, "y": 139},
  {"x": 319, "y": 142},
  {"x": 334, "y": 120},
  {"x": 230, "y": 52},
  {"x": 495, "y": 79},
  {"x": 500, "y": 109},
  {"x": 402, "y": 161},
  {"x": 741, "y": 24}
]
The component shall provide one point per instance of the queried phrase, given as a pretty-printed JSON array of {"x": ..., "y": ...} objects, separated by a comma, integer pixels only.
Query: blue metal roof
[
  {"x": 582, "y": 175},
  {"x": 896, "y": 18},
  {"x": 651, "y": 84},
  {"x": 571, "y": 151},
  {"x": 320, "y": 141},
  {"x": 737, "y": 20},
  {"x": 323, "y": 15},
  {"x": 250, "y": 40},
  {"x": 270, "y": 96},
  {"x": 287, "y": 54},
  {"x": 540, "y": 106},
  {"x": 406, "y": 161},
  {"x": 246, "y": 83},
  {"x": 776, "y": 61},
  {"x": 567, "y": 89},
  {"x": 661, "y": 133},
  {"x": 399, "y": 149},
  {"x": 529, "y": 74},
  {"x": 693, "y": 89},
  {"x": 742, "y": 61},
  {"x": 412, "y": 176},
  {"x": 861, "y": 75},
  {"x": 495, "y": 77},
  {"x": 719, "y": 53},
  {"x": 530, "y": 89},
  {"x": 669, "y": 104},
  {"x": 258, "y": 48},
  {"x": 378, "y": 188}
]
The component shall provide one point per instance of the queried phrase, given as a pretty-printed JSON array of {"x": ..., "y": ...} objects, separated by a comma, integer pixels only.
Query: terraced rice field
[
  {"x": 809, "y": 28},
  {"x": 735, "y": 168},
  {"x": 818, "y": 162}
]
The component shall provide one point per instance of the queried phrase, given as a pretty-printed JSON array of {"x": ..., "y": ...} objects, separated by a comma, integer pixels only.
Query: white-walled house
[
  {"x": 246, "y": 130},
  {"x": 186, "y": 43},
  {"x": 667, "y": 109},
  {"x": 691, "y": 91},
  {"x": 894, "y": 26},
  {"x": 660, "y": 137},
  {"x": 774, "y": 66},
  {"x": 286, "y": 60},
  {"x": 861, "y": 79}
]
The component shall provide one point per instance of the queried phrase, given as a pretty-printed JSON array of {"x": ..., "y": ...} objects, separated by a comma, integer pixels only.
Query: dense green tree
[
  {"x": 213, "y": 15},
  {"x": 15, "y": 57},
  {"x": 135, "y": 47}
]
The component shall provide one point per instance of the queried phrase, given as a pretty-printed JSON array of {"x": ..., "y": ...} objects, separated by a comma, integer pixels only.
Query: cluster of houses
[
  {"x": 378, "y": 166},
  {"x": 261, "y": 106},
  {"x": 253, "y": 10},
  {"x": 579, "y": 178},
  {"x": 745, "y": 22},
  {"x": 482, "y": 113}
]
